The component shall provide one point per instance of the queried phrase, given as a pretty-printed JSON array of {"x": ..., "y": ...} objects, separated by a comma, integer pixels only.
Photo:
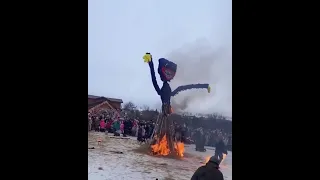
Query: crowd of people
[
  {"x": 117, "y": 123},
  {"x": 113, "y": 121},
  {"x": 210, "y": 137},
  {"x": 108, "y": 121}
]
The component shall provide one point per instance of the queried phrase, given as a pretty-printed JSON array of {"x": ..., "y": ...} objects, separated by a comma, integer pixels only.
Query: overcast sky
[{"x": 197, "y": 35}]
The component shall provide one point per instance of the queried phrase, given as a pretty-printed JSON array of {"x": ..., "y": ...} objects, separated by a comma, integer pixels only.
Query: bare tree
[
  {"x": 149, "y": 114},
  {"x": 129, "y": 106},
  {"x": 145, "y": 108}
]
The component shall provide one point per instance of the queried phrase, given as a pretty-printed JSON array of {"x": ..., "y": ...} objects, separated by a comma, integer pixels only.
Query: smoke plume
[{"x": 199, "y": 62}]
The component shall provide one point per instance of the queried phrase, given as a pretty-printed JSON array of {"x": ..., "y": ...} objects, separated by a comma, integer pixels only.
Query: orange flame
[
  {"x": 162, "y": 148},
  {"x": 208, "y": 158},
  {"x": 223, "y": 157},
  {"x": 179, "y": 147}
]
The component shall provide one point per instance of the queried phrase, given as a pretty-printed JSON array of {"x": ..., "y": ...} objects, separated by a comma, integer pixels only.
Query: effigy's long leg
[
  {"x": 163, "y": 124},
  {"x": 170, "y": 134},
  {"x": 164, "y": 127},
  {"x": 157, "y": 130}
]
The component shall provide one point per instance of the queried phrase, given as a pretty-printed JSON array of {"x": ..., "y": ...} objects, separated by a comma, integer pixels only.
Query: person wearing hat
[{"x": 210, "y": 171}]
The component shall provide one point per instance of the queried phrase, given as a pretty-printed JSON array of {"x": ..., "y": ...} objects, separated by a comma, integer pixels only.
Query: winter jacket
[{"x": 208, "y": 172}]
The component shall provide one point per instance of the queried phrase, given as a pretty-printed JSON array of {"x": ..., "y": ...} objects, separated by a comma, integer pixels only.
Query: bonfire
[
  {"x": 162, "y": 148},
  {"x": 164, "y": 142}
]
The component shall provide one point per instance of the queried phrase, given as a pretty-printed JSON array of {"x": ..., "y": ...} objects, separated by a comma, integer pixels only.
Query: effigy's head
[{"x": 166, "y": 69}]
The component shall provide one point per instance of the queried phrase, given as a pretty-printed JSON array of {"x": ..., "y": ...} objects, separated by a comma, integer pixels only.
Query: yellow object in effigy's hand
[
  {"x": 147, "y": 57},
  {"x": 209, "y": 89}
]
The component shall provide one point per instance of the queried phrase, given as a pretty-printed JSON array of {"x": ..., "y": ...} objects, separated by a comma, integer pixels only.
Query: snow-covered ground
[{"x": 105, "y": 164}]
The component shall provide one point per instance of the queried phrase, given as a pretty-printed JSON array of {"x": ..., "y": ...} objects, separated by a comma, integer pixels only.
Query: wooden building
[{"x": 105, "y": 101}]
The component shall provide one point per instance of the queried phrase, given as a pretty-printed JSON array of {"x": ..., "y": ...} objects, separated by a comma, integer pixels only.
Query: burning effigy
[{"x": 164, "y": 142}]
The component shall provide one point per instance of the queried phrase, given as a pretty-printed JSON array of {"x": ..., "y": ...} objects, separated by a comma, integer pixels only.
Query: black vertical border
[{"x": 46, "y": 50}]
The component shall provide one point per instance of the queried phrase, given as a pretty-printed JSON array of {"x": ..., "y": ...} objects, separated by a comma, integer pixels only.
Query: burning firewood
[{"x": 163, "y": 142}]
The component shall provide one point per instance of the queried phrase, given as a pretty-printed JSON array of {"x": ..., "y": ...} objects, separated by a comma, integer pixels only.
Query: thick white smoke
[{"x": 199, "y": 62}]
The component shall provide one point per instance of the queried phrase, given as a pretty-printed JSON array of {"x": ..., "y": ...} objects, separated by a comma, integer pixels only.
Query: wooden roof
[{"x": 110, "y": 99}]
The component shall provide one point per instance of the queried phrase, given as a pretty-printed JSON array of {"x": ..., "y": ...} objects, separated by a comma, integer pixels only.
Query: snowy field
[{"x": 104, "y": 163}]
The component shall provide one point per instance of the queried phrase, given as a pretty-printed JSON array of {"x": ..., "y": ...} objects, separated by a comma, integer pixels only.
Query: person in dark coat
[
  {"x": 197, "y": 136},
  {"x": 147, "y": 131},
  {"x": 183, "y": 134},
  {"x": 140, "y": 137},
  {"x": 127, "y": 127},
  {"x": 151, "y": 130},
  {"x": 221, "y": 149},
  {"x": 200, "y": 140},
  {"x": 210, "y": 171}
]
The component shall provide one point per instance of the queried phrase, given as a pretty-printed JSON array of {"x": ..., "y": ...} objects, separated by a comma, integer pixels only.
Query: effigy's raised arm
[
  {"x": 148, "y": 59},
  {"x": 190, "y": 86}
]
